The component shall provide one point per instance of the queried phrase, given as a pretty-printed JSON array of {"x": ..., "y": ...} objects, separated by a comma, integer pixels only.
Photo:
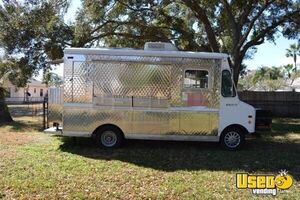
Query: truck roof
[{"x": 140, "y": 52}]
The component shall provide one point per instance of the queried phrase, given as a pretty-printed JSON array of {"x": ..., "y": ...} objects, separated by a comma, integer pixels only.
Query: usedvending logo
[{"x": 264, "y": 184}]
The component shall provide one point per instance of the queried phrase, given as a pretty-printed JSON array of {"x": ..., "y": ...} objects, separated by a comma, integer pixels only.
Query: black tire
[
  {"x": 109, "y": 137},
  {"x": 232, "y": 138}
]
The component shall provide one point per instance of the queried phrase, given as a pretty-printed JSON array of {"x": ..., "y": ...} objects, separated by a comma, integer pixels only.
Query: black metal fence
[
  {"x": 22, "y": 100},
  {"x": 32, "y": 107}
]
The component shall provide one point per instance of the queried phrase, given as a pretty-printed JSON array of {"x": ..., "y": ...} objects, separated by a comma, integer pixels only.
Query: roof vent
[{"x": 159, "y": 46}]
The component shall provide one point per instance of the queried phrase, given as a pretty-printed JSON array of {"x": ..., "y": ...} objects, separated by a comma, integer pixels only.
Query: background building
[{"x": 35, "y": 91}]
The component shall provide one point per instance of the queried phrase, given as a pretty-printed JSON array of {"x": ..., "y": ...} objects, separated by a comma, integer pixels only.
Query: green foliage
[
  {"x": 268, "y": 78},
  {"x": 273, "y": 73},
  {"x": 52, "y": 79},
  {"x": 264, "y": 78},
  {"x": 17, "y": 71},
  {"x": 272, "y": 85},
  {"x": 245, "y": 81},
  {"x": 288, "y": 69},
  {"x": 293, "y": 51},
  {"x": 260, "y": 74},
  {"x": 32, "y": 33}
]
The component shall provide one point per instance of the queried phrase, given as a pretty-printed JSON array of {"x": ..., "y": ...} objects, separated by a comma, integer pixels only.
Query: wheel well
[
  {"x": 245, "y": 131},
  {"x": 107, "y": 126}
]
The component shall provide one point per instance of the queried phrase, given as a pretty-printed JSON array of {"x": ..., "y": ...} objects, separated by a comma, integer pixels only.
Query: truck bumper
[{"x": 263, "y": 120}]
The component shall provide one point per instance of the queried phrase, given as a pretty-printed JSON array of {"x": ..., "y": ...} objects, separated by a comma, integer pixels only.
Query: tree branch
[
  {"x": 234, "y": 27},
  {"x": 252, "y": 22},
  {"x": 259, "y": 39},
  {"x": 200, "y": 13},
  {"x": 135, "y": 9},
  {"x": 247, "y": 10},
  {"x": 104, "y": 24}
]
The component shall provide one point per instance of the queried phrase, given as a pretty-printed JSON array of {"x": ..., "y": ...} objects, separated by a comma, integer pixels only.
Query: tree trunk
[
  {"x": 4, "y": 113},
  {"x": 295, "y": 62},
  {"x": 236, "y": 74},
  {"x": 235, "y": 65}
]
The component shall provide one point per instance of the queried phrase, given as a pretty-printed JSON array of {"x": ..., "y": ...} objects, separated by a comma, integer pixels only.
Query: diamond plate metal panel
[
  {"x": 139, "y": 84},
  {"x": 214, "y": 96},
  {"x": 154, "y": 122},
  {"x": 140, "y": 121},
  {"x": 214, "y": 123},
  {"x": 55, "y": 106},
  {"x": 68, "y": 75},
  {"x": 195, "y": 123},
  {"x": 131, "y": 79},
  {"x": 81, "y": 82},
  {"x": 103, "y": 75},
  {"x": 87, "y": 119},
  {"x": 55, "y": 113}
]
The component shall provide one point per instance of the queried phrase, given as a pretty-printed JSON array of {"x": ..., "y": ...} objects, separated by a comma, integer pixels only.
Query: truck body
[{"x": 157, "y": 93}]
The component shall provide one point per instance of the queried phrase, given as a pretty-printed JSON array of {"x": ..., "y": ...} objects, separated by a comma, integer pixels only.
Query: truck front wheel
[
  {"x": 109, "y": 137},
  {"x": 232, "y": 138}
]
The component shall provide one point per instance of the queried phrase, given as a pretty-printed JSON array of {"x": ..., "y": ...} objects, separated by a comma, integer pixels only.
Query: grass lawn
[{"x": 36, "y": 166}]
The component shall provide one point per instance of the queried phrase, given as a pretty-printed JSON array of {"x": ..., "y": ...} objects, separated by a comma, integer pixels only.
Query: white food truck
[{"x": 158, "y": 93}]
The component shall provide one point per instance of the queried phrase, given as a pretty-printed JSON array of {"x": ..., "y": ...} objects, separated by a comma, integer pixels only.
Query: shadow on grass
[
  {"x": 284, "y": 126},
  {"x": 24, "y": 124},
  {"x": 257, "y": 155}
]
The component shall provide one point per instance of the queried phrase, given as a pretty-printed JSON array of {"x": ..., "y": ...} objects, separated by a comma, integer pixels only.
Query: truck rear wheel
[
  {"x": 232, "y": 138},
  {"x": 109, "y": 137}
]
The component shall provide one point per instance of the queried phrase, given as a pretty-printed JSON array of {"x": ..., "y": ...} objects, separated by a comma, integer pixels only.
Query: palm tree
[
  {"x": 288, "y": 68},
  {"x": 259, "y": 74},
  {"x": 293, "y": 51},
  {"x": 275, "y": 73}
]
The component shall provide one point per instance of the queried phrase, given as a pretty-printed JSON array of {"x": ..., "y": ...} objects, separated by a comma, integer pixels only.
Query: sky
[{"x": 270, "y": 54}]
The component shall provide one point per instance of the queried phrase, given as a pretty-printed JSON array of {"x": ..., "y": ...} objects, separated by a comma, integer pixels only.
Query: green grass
[{"x": 36, "y": 166}]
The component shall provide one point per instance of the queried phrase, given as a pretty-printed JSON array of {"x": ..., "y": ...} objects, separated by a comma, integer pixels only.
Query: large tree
[
  {"x": 32, "y": 34},
  {"x": 235, "y": 27}
]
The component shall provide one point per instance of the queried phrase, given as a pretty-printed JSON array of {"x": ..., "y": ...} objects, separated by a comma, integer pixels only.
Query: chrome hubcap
[
  {"x": 108, "y": 138},
  {"x": 232, "y": 139}
]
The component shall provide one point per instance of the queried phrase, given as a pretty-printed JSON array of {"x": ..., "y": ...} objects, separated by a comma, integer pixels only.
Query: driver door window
[{"x": 227, "y": 88}]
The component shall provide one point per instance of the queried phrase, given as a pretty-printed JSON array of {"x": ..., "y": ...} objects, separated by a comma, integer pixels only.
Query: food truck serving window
[
  {"x": 196, "y": 79},
  {"x": 227, "y": 84}
]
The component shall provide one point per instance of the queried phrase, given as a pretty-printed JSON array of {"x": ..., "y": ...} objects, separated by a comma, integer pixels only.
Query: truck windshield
[{"x": 227, "y": 84}]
